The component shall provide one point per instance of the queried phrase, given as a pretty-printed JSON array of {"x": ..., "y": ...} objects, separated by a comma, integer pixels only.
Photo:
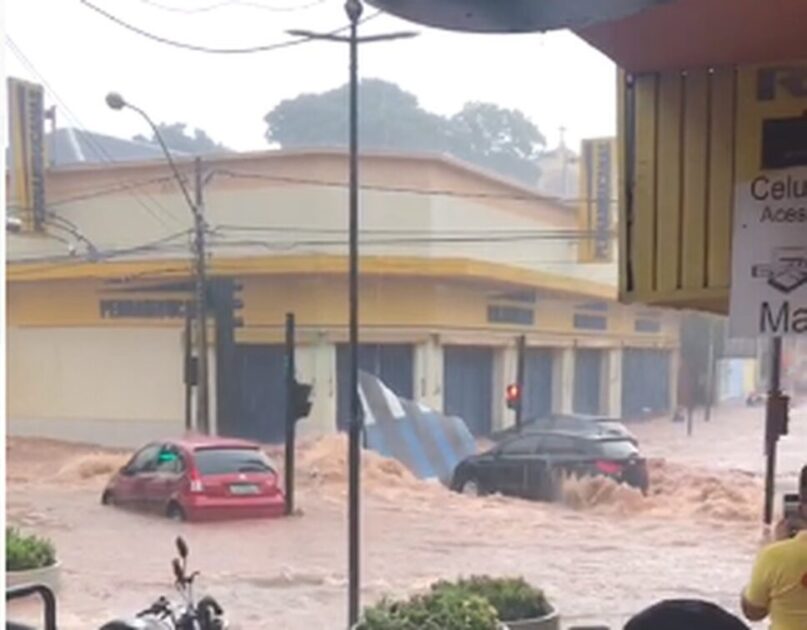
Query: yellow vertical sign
[
  {"x": 598, "y": 197},
  {"x": 26, "y": 194}
]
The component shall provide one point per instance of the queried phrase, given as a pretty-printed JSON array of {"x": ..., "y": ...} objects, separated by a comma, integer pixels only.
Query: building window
[
  {"x": 647, "y": 326},
  {"x": 590, "y": 322},
  {"x": 511, "y": 315}
]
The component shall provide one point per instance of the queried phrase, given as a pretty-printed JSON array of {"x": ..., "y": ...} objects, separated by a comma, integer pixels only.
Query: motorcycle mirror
[
  {"x": 178, "y": 572},
  {"x": 182, "y": 548}
]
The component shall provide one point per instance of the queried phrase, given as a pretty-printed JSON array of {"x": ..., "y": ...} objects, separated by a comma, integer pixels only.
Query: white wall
[{"x": 106, "y": 385}]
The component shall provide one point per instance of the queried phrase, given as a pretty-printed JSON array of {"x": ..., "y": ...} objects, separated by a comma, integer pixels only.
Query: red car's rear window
[{"x": 225, "y": 461}]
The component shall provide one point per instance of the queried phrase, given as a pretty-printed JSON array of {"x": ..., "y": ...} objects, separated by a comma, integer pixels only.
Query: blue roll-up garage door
[
  {"x": 588, "y": 369},
  {"x": 394, "y": 364},
  {"x": 468, "y": 386},
  {"x": 260, "y": 394},
  {"x": 645, "y": 381},
  {"x": 538, "y": 364}
]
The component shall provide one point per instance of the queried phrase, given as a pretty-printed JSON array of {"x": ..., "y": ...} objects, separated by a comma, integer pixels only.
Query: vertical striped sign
[
  {"x": 26, "y": 108},
  {"x": 598, "y": 200}
]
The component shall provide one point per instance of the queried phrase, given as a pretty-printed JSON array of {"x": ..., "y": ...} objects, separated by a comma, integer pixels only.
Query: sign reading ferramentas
[
  {"x": 769, "y": 245},
  {"x": 143, "y": 309}
]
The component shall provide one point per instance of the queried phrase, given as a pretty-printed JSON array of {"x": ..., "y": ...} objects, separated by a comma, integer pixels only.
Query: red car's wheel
[
  {"x": 107, "y": 498},
  {"x": 175, "y": 512}
]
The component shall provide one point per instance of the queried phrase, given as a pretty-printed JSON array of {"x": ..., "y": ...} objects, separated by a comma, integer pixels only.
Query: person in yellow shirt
[{"x": 778, "y": 585}]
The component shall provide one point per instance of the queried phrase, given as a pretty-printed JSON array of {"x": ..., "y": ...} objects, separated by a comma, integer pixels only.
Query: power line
[
  {"x": 376, "y": 242},
  {"x": 162, "y": 244},
  {"x": 402, "y": 189},
  {"x": 207, "y": 49},
  {"x": 165, "y": 244},
  {"x": 231, "y": 3},
  {"x": 96, "y": 147},
  {"x": 125, "y": 186},
  {"x": 429, "y": 233}
]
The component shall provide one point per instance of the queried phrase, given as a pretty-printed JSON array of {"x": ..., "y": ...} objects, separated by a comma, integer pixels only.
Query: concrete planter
[
  {"x": 47, "y": 576},
  {"x": 547, "y": 622}
]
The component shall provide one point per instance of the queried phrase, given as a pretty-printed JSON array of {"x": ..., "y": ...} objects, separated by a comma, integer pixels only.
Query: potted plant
[
  {"x": 518, "y": 604},
  {"x": 30, "y": 560},
  {"x": 437, "y": 610}
]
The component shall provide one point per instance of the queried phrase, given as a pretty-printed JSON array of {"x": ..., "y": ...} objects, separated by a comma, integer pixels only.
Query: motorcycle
[{"x": 206, "y": 614}]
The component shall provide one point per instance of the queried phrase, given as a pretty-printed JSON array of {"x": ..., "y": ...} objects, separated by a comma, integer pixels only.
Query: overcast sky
[{"x": 556, "y": 79}]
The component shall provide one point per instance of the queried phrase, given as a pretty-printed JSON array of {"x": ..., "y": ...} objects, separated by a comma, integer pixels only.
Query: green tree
[
  {"x": 501, "y": 140},
  {"x": 178, "y": 137}
]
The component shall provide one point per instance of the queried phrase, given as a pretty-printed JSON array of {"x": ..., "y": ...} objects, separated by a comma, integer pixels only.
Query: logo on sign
[
  {"x": 791, "y": 79},
  {"x": 787, "y": 272}
]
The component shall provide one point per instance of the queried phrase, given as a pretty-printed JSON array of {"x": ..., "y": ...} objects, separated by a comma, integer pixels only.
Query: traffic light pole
[
  {"x": 522, "y": 351},
  {"x": 291, "y": 421},
  {"x": 773, "y": 426}
]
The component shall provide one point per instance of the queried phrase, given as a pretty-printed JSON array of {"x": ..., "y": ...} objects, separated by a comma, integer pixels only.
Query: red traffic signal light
[{"x": 513, "y": 396}]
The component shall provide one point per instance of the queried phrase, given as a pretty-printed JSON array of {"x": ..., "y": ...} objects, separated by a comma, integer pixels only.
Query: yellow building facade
[{"x": 456, "y": 264}]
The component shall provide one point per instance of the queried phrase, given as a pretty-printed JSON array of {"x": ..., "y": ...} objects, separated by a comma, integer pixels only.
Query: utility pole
[
  {"x": 196, "y": 206},
  {"x": 202, "y": 391}
]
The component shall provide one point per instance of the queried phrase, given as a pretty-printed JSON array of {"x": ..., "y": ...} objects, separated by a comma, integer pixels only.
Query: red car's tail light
[{"x": 608, "y": 468}]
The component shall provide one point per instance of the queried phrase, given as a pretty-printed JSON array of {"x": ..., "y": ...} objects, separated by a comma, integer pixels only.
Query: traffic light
[
  {"x": 513, "y": 396},
  {"x": 300, "y": 403}
]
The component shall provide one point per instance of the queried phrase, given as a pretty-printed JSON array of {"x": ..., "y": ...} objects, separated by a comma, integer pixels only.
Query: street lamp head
[
  {"x": 354, "y": 9},
  {"x": 115, "y": 101}
]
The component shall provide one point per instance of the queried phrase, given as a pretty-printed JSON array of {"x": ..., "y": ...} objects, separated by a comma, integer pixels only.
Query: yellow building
[{"x": 456, "y": 265}]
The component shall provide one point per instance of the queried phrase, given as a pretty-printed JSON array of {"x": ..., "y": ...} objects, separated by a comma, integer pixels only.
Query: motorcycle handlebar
[{"x": 160, "y": 607}]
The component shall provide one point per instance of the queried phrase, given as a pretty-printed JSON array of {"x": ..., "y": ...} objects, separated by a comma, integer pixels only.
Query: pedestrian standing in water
[{"x": 778, "y": 586}]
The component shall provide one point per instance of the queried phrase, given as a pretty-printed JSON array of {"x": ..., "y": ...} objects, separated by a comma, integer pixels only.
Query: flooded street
[{"x": 601, "y": 556}]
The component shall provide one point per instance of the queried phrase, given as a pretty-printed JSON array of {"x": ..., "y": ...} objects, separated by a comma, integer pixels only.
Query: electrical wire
[
  {"x": 207, "y": 49},
  {"x": 563, "y": 234},
  {"x": 162, "y": 244},
  {"x": 401, "y": 189},
  {"x": 96, "y": 147},
  {"x": 111, "y": 190},
  {"x": 51, "y": 221},
  {"x": 165, "y": 244},
  {"x": 231, "y": 3}
]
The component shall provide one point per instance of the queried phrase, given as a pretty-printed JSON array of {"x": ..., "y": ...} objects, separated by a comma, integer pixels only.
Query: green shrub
[
  {"x": 438, "y": 610},
  {"x": 513, "y": 598},
  {"x": 27, "y": 552}
]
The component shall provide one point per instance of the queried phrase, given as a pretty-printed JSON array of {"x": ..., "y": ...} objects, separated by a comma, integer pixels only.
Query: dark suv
[{"x": 532, "y": 465}]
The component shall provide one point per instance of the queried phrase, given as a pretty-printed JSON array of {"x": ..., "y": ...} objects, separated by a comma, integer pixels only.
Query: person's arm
[{"x": 755, "y": 599}]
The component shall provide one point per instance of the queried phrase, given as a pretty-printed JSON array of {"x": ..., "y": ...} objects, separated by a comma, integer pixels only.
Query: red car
[{"x": 198, "y": 478}]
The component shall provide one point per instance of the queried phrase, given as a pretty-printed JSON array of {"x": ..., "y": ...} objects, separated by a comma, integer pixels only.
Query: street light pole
[
  {"x": 354, "y": 9},
  {"x": 117, "y": 102}
]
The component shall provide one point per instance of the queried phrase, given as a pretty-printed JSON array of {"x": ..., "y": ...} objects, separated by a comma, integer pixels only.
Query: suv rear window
[
  {"x": 225, "y": 461},
  {"x": 617, "y": 449}
]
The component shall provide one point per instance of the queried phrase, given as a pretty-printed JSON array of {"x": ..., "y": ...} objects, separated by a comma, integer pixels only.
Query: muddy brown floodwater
[{"x": 603, "y": 554}]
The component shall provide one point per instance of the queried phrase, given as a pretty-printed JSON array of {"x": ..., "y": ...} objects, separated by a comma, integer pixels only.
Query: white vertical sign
[{"x": 769, "y": 244}]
